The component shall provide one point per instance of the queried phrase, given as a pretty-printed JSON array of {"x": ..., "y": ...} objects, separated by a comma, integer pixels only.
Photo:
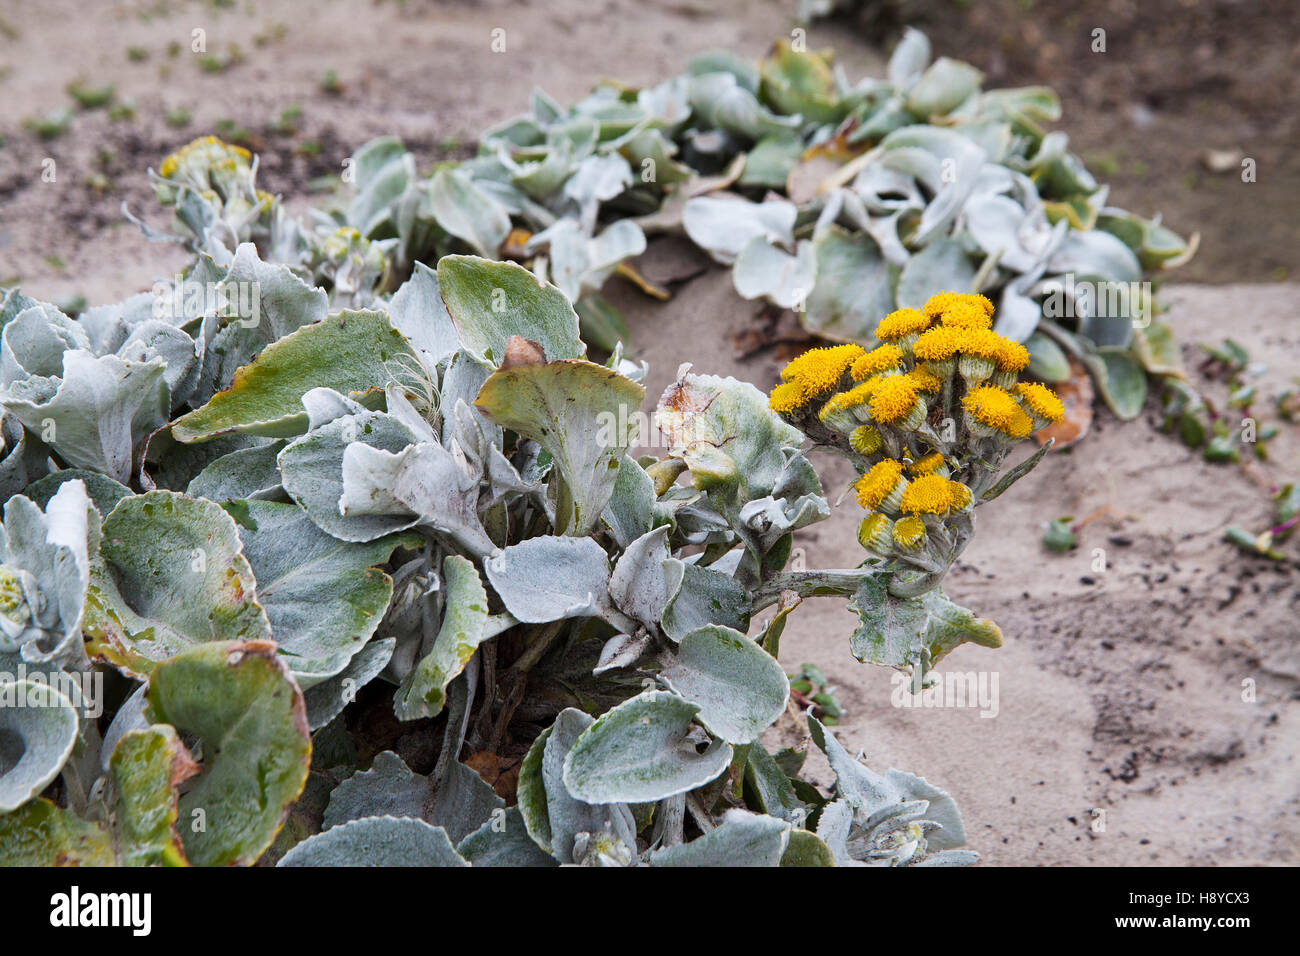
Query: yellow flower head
[
  {"x": 961, "y": 495},
  {"x": 1042, "y": 401},
  {"x": 966, "y": 315},
  {"x": 874, "y": 533},
  {"x": 941, "y": 302},
  {"x": 865, "y": 440},
  {"x": 878, "y": 360},
  {"x": 893, "y": 397},
  {"x": 930, "y": 495},
  {"x": 938, "y": 344},
  {"x": 900, "y": 323},
  {"x": 984, "y": 343},
  {"x": 853, "y": 398},
  {"x": 1012, "y": 356},
  {"x": 982, "y": 301},
  {"x": 992, "y": 406},
  {"x": 909, "y": 532},
  {"x": 928, "y": 464},
  {"x": 818, "y": 371},
  {"x": 925, "y": 380},
  {"x": 878, "y": 483},
  {"x": 786, "y": 397}
]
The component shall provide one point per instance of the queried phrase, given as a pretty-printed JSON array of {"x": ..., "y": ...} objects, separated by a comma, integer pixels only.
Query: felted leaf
[
  {"x": 553, "y": 816},
  {"x": 39, "y": 833},
  {"x": 549, "y": 578},
  {"x": 742, "y": 839},
  {"x": 468, "y": 213},
  {"x": 912, "y": 632},
  {"x": 868, "y": 793},
  {"x": 491, "y": 301},
  {"x": 38, "y": 728},
  {"x": 723, "y": 227},
  {"x": 504, "y": 841},
  {"x": 350, "y": 352},
  {"x": 639, "y": 752},
  {"x": 583, "y": 414},
  {"x": 424, "y": 690},
  {"x": 459, "y": 803},
  {"x": 701, "y": 596},
  {"x": 417, "y": 311},
  {"x": 96, "y": 411},
  {"x": 326, "y": 700},
  {"x": 244, "y": 473},
  {"x": 147, "y": 768},
  {"x": 740, "y": 689},
  {"x": 45, "y": 562},
  {"x": 104, "y": 492},
  {"x": 762, "y": 271},
  {"x": 311, "y": 470},
  {"x": 240, "y": 701},
  {"x": 324, "y": 597},
  {"x": 853, "y": 290},
  {"x": 377, "y": 841},
  {"x": 171, "y": 575}
]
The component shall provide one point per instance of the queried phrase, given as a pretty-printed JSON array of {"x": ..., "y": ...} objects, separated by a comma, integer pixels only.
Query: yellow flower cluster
[{"x": 945, "y": 359}]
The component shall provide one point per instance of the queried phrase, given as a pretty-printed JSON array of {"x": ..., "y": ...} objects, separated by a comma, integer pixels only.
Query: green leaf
[
  {"x": 638, "y": 752},
  {"x": 147, "y": 768},
  {"x": 504, "y": 842},
  {"x": 171, "y": 575},
  {"x": 104, "y": 492},
  {"x": 324, "y": 597},
  {"x": 801, "y": 82},
  {"x": 100, "y": 409},
  {"x": 467, "y": 212},
  {"x": 944, "y": 86},
  {"x": 42, "y": 834},
  {"x": 549, "y": 578},
  {"x": 583, "y": 414},
  {"x": 424, "y": 691},
  {"x": 377, "y": 841},
  {"x": 241, "y": 702},
  {"x": 1047, "y": 360},
  {"x": 740, "y": 689},
  {"x": 38, "y": 728},
  {"x": 742, "y": 839},
  {"x": 555, "y": 818},
  {"x": 853, "y": 290},
  {"x": 350, "y": 352},
  {"x": 806, "y": 849},
  {"x": 491, "y": 301},
  {"x": 914, "y": 632},
  {"x": 1121, "y": 381}
]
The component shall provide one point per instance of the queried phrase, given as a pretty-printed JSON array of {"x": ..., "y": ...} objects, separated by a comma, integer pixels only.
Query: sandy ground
[{"x": 1119, "y": 690}]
